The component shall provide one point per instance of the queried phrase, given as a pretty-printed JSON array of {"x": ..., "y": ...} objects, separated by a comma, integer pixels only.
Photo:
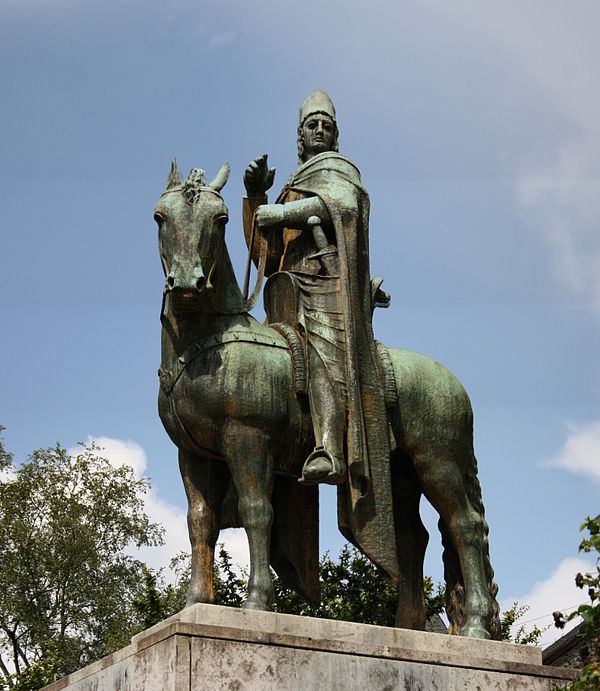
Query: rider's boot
[{"x": 322, "y": 466}]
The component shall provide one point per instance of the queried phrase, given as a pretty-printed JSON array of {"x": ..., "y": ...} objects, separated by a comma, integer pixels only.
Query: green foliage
[
  {"x": 38, "y": 675},
  {"x": 5, "y": 457},
  {"x": 509, "y": 618},
  {"x": 435, "y": 598},
  {"x": 150, "y": 603},
  {"x": 66, "y": 586},
  {"x": 352, "y": 589},
  {"x": 589, "y": 677},
  {"x": 158, "y": 599},
  {"x": 231, "y": 588}
]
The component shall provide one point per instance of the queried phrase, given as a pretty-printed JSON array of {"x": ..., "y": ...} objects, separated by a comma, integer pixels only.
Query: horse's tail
[{"x": 455, "y": 591}]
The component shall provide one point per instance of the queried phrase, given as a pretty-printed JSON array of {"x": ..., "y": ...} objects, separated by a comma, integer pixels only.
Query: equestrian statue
[{"x": 264, "y": 413}]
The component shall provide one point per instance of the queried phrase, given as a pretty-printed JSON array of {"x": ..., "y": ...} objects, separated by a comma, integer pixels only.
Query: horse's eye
[{"x": 222, "y": 218}]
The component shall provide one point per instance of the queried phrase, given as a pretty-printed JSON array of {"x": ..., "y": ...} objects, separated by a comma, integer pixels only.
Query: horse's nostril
[
  {"x": 201, "y": 283},
  {"x": 171, "y": 281}
]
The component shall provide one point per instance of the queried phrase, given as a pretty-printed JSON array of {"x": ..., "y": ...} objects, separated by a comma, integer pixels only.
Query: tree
[
  {"x": 67, "y": 588},
  {"x": 5, "y": 457},
  {"x": 521, "y": 636},
  {"x": 354, "y": 589},
  {"x": 158, "y": 598},
  {"x": 589, "y": 677}
]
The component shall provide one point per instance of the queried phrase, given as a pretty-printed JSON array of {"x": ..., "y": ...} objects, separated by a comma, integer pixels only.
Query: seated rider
[{"x": 317, "y": 233}]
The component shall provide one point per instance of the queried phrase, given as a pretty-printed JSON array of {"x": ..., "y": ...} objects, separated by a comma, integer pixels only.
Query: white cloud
[
  {"x": 8, "y": 475},
  {"x": 170, "y": 516},
  {"x": 557, "y": 592},
  {"x": 560, "y": 195},
  {"x": 562, "y": 203},
  {"x": 120, "y": 452},
  {"x": 581, "y": 451},
  {"x": 236, "y": 543}
]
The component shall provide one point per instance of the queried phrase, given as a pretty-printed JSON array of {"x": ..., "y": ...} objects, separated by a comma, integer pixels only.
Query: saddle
[{"x": 281, "y": 302}]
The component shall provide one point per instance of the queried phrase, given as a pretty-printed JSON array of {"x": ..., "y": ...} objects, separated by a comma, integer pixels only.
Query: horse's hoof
[
  {"x": 474, "y": 632},
  {"x": 256, "y": 606},
  {"x": 198, "y": 599}
]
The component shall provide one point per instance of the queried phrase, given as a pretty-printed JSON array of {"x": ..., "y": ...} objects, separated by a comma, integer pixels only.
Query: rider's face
[{"x": 318, "y": 132}]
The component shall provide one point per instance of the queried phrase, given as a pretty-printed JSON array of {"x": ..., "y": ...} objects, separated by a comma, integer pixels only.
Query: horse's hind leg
[
  {"x": 444, "y": 486},
  {"x": 205, "y": 481},
  {"x": 411, "y": 539},
  {"x": 251, "y": 466}
]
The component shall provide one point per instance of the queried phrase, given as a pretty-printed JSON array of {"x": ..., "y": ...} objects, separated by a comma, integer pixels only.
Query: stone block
[{"x": 212, "y": 647}]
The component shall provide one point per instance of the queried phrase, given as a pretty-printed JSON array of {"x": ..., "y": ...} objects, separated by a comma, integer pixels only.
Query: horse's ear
[
  {"x": 219, "y": 182},
  {"x": 174, "y": 179}
]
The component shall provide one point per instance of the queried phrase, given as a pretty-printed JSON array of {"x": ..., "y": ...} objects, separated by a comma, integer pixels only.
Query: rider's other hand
[
  {"x": 258, "y": 177},
  {"x": 269, "y": 215}
]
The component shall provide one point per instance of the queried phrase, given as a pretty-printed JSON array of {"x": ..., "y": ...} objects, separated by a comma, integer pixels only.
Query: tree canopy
[{"x": 67, "y": 586}]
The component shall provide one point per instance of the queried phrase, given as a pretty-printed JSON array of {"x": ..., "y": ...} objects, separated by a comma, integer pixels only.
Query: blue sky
[{"x": 476, "y": 127}]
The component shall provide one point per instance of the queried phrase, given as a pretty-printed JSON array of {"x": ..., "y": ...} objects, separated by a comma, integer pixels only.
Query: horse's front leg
[
  {"x": 251, "y": 465},
  {"x": 205, "y": 482}
]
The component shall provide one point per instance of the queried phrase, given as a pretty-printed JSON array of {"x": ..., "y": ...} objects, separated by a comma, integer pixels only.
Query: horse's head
[{"x": 191, "y": 218}]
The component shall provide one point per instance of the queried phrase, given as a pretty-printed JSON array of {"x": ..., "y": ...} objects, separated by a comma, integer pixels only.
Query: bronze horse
[{"x": 228, "y": 402}]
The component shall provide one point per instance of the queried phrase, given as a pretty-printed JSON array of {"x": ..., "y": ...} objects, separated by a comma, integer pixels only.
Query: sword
[{"x": 326, "y": 251}]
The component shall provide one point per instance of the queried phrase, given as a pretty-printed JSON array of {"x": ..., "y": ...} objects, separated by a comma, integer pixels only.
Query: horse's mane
[{"x": 194, "y": 184}]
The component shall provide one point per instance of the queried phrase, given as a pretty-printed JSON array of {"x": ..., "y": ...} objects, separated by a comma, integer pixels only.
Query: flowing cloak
[{"x": 365, "y": 509}]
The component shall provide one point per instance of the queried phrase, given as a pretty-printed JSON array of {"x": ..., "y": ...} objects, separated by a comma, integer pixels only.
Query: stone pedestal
[{"x": 212, "y": 647}]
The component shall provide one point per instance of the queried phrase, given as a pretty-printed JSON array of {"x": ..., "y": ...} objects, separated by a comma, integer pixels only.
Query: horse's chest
[
  {"x": 193, "y": 396},
  {"x": 233, "y": 384}
]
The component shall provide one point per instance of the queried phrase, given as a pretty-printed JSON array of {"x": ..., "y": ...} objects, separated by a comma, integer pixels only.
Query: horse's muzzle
[{"x": 187, "y": 299}]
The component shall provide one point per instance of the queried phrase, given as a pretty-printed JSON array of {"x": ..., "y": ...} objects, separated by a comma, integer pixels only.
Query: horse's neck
[{"x": 225, "y": 296}]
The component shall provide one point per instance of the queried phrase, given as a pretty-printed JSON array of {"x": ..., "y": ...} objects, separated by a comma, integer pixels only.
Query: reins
[{"x": 249, "y": 303}]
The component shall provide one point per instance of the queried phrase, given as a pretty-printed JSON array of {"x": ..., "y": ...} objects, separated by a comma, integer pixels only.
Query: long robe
[{"x": 365, "y": 512}]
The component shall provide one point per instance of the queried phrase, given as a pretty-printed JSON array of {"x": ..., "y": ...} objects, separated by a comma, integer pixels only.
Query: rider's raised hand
[{"x": 258, "y": 177}]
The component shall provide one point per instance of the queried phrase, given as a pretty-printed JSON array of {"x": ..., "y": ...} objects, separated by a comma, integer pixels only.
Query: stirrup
[{"x": 333, "y": 474}]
